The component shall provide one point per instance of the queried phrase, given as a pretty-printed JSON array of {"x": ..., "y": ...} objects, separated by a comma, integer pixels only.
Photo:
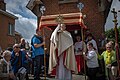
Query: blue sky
[
  {"x": 109, "y": 24},
  {"x": 27, "y": 22}
]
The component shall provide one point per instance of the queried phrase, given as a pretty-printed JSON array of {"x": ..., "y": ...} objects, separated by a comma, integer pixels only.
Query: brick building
[
  {"x": 7, "y": 27},
  {"x": 96, "y": 12}
]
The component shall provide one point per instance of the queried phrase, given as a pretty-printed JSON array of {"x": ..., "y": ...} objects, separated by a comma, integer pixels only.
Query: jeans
[{"x": 38, "y": 62}]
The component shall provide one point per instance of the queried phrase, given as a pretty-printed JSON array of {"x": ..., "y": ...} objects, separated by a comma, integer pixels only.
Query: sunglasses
[{"x": 17, "y": 47}]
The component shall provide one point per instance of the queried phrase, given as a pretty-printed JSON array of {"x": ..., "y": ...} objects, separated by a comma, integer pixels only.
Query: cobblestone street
[{"x": 75, "y": 77}]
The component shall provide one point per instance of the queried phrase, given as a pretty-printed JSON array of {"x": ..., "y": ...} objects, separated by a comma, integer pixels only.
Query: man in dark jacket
[{"x": 18, "y": 58}]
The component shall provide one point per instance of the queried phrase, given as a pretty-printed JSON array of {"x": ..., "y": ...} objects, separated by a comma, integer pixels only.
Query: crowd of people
[
  {"x": 14, "y": 62},
  {"x": 66, "y": 57}
]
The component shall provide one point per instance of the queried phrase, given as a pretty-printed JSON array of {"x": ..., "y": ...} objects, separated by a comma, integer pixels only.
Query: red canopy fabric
[{"x": 69, "y": 19}]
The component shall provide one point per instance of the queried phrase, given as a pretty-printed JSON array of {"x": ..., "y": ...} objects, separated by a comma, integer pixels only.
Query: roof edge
[{"x": 8, "y": 14}]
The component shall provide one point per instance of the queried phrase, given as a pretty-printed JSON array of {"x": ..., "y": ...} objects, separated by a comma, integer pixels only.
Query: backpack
[{"x": 40, "y": 38}]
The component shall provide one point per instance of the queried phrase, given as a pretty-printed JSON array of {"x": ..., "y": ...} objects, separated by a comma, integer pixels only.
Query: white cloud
[
  {"x": 109, "y": 23},
  {"x": 26, "y": 27},
  {"x": 27, "y": 22},
  {"x": 19, "y": 7}
]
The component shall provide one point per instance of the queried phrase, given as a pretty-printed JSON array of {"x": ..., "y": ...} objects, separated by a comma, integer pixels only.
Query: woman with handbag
[{"x": 110, "y": 60}]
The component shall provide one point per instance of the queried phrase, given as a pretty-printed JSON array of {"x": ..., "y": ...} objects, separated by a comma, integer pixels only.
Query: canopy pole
[
  {"x": 44, "y": 54},
  {"x": 82, "y": 34}
]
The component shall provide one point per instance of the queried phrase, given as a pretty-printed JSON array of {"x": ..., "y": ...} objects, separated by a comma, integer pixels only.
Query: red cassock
[
  {"x": 54, "y": 70},
  {"x": 80, "y": 62}
]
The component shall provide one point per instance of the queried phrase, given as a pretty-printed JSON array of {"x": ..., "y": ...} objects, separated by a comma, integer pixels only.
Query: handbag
[
  {"x": 114, "y": 63},
  {"x": 22, "y": 70}
]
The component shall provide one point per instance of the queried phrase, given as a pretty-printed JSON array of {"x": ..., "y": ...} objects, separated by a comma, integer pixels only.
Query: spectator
[
  {"x": 91, "y": 61},
  {"x": 87, "y": 33},
  {"x": 6, "y": 72},
  {"x": 90, "y": 39},
  {"x": 80, "y": 47},
  {"x": 110, "y": 60},
  {"x": 22, "y": 44},
  {"x": 10, "y": 49},
  {"x": 37, "y": 44},
  {"x": 101, "y": 48},
  {"x": 102, "y": 42},
  {"x": 18, "y": 58}
]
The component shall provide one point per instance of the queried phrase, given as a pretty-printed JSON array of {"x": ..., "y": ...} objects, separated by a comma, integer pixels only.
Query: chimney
[{"x": 2, "y": 5}]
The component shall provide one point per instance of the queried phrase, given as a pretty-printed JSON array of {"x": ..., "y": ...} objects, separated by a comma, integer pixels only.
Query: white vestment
[{"x": 64, "y": 59}]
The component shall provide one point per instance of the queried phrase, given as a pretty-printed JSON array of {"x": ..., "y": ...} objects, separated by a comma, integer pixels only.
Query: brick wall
[
  {"x": 94, "y": 21},
  {"x": 5, "y": 39}
]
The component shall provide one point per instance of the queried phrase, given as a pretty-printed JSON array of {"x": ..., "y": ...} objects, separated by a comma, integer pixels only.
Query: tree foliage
[{"x": 110, "y": 34}]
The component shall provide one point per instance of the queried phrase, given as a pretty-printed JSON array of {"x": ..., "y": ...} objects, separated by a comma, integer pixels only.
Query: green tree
[{"x": 110, "y": 34}]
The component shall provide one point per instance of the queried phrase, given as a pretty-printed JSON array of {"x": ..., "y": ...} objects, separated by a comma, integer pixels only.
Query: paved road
[{"x": 75, "y": 77}]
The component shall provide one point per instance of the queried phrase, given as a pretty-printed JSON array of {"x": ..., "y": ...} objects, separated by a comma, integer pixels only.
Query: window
[
  {"x": 11, "y": 29},
  {"x": 67, "y": 1}
]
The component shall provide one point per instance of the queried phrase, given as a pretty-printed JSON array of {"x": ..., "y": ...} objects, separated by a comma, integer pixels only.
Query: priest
[{"x": 62, "y": 57}]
